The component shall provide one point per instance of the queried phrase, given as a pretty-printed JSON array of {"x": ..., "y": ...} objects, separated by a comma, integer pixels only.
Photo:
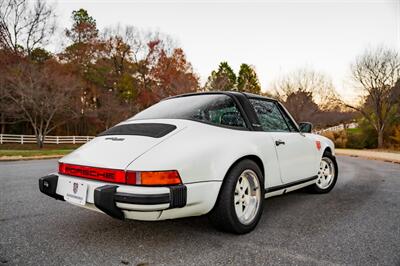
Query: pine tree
[
  {"x": 247, "y": 80},
  {"x": 224, "y": 79}
]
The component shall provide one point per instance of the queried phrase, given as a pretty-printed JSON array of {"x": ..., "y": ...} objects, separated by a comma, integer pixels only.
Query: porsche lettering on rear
[{"x": 216, "y": 153}]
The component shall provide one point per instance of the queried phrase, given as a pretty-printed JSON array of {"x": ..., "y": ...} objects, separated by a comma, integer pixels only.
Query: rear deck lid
[{"x": 118, "y": 146}]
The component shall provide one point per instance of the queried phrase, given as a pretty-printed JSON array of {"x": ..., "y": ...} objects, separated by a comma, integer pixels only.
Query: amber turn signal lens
[{"x": 153, "y": 178}]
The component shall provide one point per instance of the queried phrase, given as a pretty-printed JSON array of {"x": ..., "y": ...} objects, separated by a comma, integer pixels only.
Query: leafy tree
[
  {"x": 376, "y": 73},
  {"x": 83, "y": 57},
  {"x": 84, "y": 28},
  {"x": 174, "y": 74},
  {"x": 224, "y": 79},
  {"x": 40, "y": 55},
  {"x": 115, "y": 73},
  {"x": 86, "y": 47},
  {"x": 248, "y": 80}
]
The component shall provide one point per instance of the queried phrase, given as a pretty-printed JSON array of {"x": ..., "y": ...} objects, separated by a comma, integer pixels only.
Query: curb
[
  {"x": 369, "y": 157},
  {"x": 20, "y": 158}
]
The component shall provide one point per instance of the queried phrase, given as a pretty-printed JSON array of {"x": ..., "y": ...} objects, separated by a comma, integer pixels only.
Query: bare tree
[
  {"x": 43, "y": 94},
  {"x": 308, "y": 81},
  {"x": 376, "y": 73},
  {"x": 25, "y": 25},
  {"x": 308, "y": 95},
  {"x": 111, "y": 110},
  {"x": 8, "y": 114}
]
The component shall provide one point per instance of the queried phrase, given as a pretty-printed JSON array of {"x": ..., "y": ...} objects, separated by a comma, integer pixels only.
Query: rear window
[
  {"x": 154, "y": 130},
  {"x": 218, "y": 109}
]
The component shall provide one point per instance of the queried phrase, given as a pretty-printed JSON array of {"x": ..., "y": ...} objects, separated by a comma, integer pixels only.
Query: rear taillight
[
  {"x": 153, "y": 178},
  {"x": 145, "y": 178},
  {"x": 102, "y": 174}
]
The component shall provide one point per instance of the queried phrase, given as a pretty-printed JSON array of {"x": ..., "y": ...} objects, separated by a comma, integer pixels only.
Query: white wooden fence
[
  {"x": 23, "y": 139},
  {"x": 337, "y": 128}
]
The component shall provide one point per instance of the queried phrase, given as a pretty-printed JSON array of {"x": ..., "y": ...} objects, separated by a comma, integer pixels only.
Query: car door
[{"x": 295, "y": 152}]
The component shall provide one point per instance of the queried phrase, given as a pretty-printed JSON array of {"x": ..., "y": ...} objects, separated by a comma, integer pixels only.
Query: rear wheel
[
  {"x": 241, "y": 199},
  {"x": 327, "y": 174}
]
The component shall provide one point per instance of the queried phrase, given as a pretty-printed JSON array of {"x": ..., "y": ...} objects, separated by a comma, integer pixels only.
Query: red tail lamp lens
[
  {"x": 120, "y": 176},
  {"x": 102, "y": 174},
  {"x": 153, "y": 178}
]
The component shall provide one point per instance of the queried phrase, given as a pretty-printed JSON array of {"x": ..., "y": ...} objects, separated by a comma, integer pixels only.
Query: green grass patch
[
  {"x": 31, "y": 146},
  {"x": 28, "y": 153},
  {"x": 28, "y": 150},
  {"x": 354, "y": 130}
]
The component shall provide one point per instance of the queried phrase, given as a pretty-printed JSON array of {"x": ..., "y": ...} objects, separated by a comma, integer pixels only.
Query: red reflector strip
[
  {"x": 102, "y": 174},
  {"x": 318, "y": 144}
]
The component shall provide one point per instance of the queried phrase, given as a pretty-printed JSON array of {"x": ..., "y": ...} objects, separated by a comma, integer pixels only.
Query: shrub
[
  {"x": 363, "y": 137},
  {"x": 395, "y": 136},
  {"x": 338, "y": 137}
]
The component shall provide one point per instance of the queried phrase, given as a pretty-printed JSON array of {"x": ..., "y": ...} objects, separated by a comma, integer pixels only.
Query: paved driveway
[{"x": 357, "y": 223}]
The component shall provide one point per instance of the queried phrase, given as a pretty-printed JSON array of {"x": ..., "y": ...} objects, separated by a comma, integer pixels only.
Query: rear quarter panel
[{"x": 203, "y": 152}]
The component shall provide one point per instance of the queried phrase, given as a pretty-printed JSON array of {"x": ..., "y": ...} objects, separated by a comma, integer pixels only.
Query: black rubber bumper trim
[
  {"x": 141, "y": 198},
  {"x": 295, "y": 183},
  {"x": 105, "y": 198},
  {"x": 48, "y": 186},
  {"x": 178, "y": 196}
]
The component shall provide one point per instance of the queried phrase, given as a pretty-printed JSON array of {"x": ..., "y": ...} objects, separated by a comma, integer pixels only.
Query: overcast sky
[{"x": 275, "y": 37}]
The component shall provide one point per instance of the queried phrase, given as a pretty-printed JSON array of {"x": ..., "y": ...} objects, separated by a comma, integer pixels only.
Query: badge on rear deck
[{"x": 115, "y": 139}]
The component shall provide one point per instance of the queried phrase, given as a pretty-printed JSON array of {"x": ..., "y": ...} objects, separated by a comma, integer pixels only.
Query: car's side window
[
  {"x": 270, "y": 116},
  {"x": 229, "y": 116},
  {"x": 289, "y": 121},
  {"x": 217, "y": 109}
]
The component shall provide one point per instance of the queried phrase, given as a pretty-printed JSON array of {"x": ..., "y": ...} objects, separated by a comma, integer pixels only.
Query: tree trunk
[
  {"x": 380, "y": 139},
  {"x": 3, "y": 124},
  {"x": 39, "y": 141}
]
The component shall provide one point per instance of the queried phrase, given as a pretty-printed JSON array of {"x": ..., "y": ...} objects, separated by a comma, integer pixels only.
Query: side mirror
[{"x": 305, "y": 127}]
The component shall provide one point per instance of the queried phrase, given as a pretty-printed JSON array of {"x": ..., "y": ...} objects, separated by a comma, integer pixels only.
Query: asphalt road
[{"x": 357, "y": 223}]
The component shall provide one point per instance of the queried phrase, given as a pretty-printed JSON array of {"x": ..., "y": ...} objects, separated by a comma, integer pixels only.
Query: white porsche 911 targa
[{"x": 215, "y": 153}]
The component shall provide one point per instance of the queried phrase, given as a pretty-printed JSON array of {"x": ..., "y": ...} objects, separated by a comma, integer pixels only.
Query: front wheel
[
  {"x": 241, "y": 199},
  {"x": 327, "y": 174}
]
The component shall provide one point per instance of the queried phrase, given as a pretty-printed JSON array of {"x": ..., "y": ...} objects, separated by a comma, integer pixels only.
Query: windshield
[{"x": 217, "y": 109}]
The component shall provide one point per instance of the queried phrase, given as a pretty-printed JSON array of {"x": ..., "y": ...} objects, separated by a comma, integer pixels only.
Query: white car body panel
[
  {"x": 298, "y": 157},
  {"x": 115, "y": 154},
  {"x": 211, "y": 157}
]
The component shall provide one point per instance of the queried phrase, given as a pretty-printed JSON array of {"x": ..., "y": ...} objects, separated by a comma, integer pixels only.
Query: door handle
[{"x": 279, "y": 142}]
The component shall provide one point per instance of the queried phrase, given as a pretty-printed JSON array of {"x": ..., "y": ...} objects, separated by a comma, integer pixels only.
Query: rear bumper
[
  {"x": 48, "y": 186},
  {"x": 106, "y": 199},
  {"x": 135, "y": 202}
]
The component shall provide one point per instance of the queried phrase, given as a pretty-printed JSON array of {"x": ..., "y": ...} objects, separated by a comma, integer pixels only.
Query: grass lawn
[
  {"x": 28, "y": 153},
  {"x": 26, "y": 150},
  {"x": 354, "y": 130}
]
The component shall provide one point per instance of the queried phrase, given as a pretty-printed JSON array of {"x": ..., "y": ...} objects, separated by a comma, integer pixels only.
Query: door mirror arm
[{"x": 305, "y": 127}]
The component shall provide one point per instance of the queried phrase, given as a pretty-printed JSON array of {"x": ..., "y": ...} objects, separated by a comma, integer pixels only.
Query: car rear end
[{"x": 99, "y": 176}]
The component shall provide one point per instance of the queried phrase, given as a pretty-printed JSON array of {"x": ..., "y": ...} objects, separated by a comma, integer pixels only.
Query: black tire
[
  {"x": 223, "y": 215},
  {"x": 314, "y": 188}
]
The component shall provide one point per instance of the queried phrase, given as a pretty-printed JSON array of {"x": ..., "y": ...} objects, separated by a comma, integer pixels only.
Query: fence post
[
  {"x": 73, "y": 139},
  {"x": 87, "y": 138},
  {"x": 22, "y": 139},
  {"x": 1, "y": 138},
  {"x": 57, "y": 141}
]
